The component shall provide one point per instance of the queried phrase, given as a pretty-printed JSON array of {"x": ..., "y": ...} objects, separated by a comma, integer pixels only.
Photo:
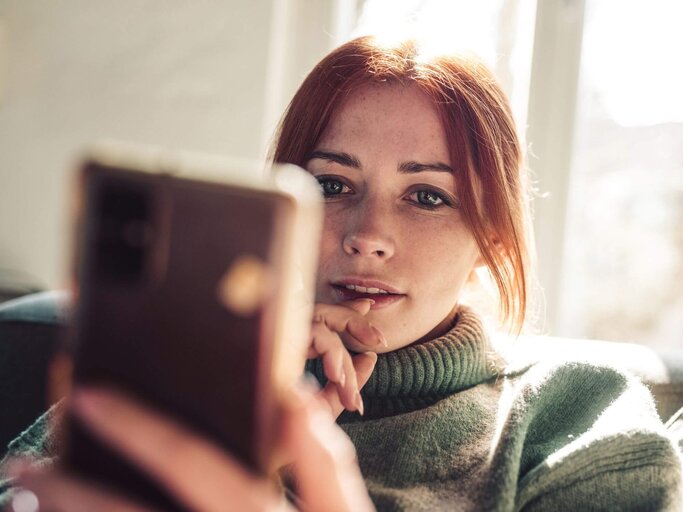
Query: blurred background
[{"x": 595, "y": 87}]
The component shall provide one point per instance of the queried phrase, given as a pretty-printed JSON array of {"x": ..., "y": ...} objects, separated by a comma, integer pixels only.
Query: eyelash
[
  {"x": 446, "y": 201},
  {"x": 323, "y": 180}
]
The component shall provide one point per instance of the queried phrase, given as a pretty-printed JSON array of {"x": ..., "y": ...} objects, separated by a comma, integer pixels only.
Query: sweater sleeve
[
  {"x": 622, "y": 459},
  {"x": 637, "y": 473},
  {"x": 37, "y": 443},
  {"x": 675, "y": 427}
]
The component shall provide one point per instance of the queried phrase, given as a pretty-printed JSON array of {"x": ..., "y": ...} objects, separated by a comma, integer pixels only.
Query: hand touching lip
[{"x": 352, "y": 288}]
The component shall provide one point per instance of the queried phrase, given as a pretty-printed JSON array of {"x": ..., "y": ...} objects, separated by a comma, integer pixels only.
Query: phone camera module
[{"x": 124, "y": 232}]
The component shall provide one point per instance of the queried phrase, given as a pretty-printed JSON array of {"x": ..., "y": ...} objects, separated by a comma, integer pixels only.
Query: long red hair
[{"x": 480, "y": 133}]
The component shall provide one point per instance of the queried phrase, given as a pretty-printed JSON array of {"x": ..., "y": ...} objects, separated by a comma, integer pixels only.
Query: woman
[{"x": 421, "y": 170}]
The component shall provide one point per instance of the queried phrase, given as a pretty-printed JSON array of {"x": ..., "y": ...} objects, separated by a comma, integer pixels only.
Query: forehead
[{"x": 396, "y": 118}]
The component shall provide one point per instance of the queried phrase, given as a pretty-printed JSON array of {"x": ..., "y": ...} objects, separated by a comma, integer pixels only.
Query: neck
[{"x": 441, "y": 329}]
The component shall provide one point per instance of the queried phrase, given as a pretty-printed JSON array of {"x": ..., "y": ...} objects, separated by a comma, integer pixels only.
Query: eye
[
  {"x": 332, "y": 187},
  {"x": 430, "y": 198}
]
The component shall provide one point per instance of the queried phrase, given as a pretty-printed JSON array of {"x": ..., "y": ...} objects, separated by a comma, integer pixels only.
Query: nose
[
  {"x": 369, "y": 239},
  {"x": 367, "y": 245}
]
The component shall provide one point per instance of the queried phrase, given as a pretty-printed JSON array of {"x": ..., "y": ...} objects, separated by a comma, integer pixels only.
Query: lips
[{"x": 353, "y": 288}]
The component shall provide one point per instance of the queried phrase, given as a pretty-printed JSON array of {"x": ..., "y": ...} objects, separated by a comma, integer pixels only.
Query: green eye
[{"x": 429, "y": 198}]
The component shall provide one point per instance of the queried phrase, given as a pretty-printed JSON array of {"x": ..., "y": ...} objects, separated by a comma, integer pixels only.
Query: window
[
  {"x": 499, "y": 31},
  {"x": 623, "y": 275}
]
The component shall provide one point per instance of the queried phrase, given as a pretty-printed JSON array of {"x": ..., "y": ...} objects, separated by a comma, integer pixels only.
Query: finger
[
  {"x": 349, "y": 394},
  {"x": 167, "y": 451},
  {"x": 337, "y": 365},
  {"x": 54, "y": 491},
  {"x": 363, "y": 365},
  {"x": 323, "y": 453},
  {"x": 341, "y": 318},
  {"x": 328, "y": 346},
  {"x": 361, "y": 305}
]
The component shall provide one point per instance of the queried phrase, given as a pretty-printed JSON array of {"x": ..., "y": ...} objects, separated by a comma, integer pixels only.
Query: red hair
[{"x": 480, "y": 132}]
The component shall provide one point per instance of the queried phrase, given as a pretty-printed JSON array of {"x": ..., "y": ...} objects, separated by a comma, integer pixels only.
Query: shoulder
[
  {"x": 567, "y": 382},
  {"x": 557, "y": 402},
  {"x": 592, "y": 437}
]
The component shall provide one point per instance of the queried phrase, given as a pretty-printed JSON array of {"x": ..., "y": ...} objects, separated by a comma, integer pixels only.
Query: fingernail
[
  {"x": 372, "y": 355},
  {"x": 359, "y": 403},
  {"x": 342, "y": 379},
  {"x": 372, "y": 301},
  {"x": 380, "y": 336}
]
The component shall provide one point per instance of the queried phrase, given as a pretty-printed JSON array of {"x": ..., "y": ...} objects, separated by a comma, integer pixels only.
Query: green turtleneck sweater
[{"x": 449, "y": 427}]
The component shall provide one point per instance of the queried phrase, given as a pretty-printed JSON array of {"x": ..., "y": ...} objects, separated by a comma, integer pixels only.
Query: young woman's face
[{"x": 393, "y": 229}]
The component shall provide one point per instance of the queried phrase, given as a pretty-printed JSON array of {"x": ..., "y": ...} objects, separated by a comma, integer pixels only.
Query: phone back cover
[{"x": 167, "y": 338}]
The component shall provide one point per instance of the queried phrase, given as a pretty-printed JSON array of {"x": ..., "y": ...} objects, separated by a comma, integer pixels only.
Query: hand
[
  {"x": 346, "y": 375},
  {"x": 200, "y": 475}
]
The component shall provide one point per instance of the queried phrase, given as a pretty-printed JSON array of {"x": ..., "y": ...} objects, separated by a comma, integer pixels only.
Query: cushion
[{"x": 30, "y": 330}]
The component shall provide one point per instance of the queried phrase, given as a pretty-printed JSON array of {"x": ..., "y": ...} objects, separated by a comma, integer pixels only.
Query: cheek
[
  {"x": 330, "y": 243},
  {"x": 330, "y": 238},
  {"x": 442, "y": 259}
]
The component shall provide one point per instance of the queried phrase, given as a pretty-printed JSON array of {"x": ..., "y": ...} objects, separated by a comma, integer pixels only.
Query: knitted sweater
[
  {"x": 447, "y": 427},
  {"x": 444, "y": 429}
]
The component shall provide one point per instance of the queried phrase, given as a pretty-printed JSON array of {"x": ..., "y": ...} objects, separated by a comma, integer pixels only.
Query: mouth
[{"x": 352, "y": 289}]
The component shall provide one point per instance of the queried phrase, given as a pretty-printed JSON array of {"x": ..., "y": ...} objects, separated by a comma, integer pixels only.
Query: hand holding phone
[
  {"x": 194, "y": 297},
  {"x": 309, "y": 436}
]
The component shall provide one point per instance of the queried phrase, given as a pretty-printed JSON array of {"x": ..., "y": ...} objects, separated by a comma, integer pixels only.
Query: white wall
[{"x": 198, "y": 75}]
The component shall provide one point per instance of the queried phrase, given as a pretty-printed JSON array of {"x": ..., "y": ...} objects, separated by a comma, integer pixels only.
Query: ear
[
  {"x": 473, "y": 277},
  {"x": 497, "y": 245}
]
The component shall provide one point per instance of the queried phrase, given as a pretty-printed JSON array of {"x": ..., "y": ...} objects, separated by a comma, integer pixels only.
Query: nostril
[{"x": 355, "y": 245}]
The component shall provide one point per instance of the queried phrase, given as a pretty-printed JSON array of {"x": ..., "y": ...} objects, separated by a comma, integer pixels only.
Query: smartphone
[{"x": 194, "y": 282}]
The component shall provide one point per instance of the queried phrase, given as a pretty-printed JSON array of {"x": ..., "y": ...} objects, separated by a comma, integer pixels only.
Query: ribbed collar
[{"x": 419, "y": 375}]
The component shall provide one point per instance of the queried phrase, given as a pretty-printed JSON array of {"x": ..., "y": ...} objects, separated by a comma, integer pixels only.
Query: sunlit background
[{"x": 595, "y": 87}]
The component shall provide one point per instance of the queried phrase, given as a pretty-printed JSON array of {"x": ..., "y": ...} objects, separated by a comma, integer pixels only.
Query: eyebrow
[
  {"x": 412, "y": 167},
  {"x": 336, "y": 156},
  {"x": 348, "y": 160}
]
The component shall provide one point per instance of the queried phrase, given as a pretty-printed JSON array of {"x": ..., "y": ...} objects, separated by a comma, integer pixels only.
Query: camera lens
[{"x": 123, "y": 230}]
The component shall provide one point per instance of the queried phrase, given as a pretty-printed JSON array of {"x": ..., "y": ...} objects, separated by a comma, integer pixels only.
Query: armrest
[{"x": 30, "y": 329}]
